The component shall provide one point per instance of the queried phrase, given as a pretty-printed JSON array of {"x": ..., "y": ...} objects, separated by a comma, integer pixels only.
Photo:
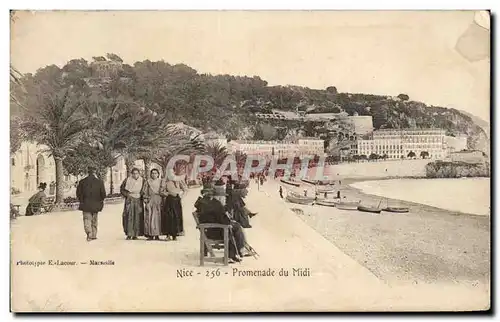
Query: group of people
[
  {"x": 152, "y": 206},
  {"x": 225, "y": 205}
]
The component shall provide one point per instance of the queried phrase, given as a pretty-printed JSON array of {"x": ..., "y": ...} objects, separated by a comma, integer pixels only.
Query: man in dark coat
[
  {"x": 212, "y": 211},
  {"x": 91, "y": 193}
]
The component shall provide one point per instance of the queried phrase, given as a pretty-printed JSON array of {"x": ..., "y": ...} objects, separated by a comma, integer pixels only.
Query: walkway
[{"x": 144, "y": 274}]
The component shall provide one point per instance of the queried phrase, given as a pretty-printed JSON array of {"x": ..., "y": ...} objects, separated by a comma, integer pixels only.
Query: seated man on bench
[{"x": 211, "y": 210}]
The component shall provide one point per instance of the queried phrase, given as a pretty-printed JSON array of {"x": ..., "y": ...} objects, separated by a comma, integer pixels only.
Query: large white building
[{"x": 398, "y": 143}]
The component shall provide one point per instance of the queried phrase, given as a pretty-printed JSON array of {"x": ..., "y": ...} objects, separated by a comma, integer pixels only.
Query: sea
[{"x": 467, "y": 195}]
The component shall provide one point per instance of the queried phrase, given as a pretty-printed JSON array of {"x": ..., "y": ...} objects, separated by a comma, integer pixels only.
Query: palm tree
[
  {"x": 180, "y": 143},
  {"x": 15, "y": 80},
  {"x": 217, "y": 151},
  {"x": 56, "y": 122}
]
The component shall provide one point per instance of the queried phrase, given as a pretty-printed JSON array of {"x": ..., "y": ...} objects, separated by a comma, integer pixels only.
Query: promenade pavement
[{"x": 146, "y": 275}]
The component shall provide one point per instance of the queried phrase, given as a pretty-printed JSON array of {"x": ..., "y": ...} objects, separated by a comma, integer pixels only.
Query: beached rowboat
[
  {"x": 299, "y": 200},
  {"x": 397, "y": 209},
  {"x": 344, "y": 205},
  {"x": 309, "y": 181},
  {"x": 326, "y": 189},
  {"x": 295, "y": 184},
  {"x": 327, "y": 203},
  {"x": 374, "y": 210}
]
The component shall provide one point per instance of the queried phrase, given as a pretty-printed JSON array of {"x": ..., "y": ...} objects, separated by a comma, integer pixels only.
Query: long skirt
[
  {"x": 171, "y": 217},
  {"x": 152, "y": 216},
  {"x": 133, "y": 217},
  {"x": 32, "y": 209}
]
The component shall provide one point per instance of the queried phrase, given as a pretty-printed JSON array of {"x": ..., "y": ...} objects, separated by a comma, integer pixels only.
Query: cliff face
[{"x": 441, "y": 169}]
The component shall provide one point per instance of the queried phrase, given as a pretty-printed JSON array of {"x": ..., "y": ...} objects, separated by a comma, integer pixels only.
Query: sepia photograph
[{"x": 250, "y": 161}]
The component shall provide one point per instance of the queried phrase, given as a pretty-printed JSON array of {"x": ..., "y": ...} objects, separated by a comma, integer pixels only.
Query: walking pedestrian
[
  {"x": 91, "y": 194},
  {"x": 153, "y": 204}
]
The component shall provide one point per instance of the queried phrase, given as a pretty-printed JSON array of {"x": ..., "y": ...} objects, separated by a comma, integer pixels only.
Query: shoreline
[
  {"x": 405, "y": 203},
  {"x": 427, "y": 245}
]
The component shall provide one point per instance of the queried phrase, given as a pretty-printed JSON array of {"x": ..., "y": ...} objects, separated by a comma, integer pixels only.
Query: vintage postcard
[{"x": 250, "y": 161}]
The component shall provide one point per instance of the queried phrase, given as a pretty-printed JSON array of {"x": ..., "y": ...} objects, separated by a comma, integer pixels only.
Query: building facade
[
  {"x": 398, "y": 143},
  {"x": 32, "y": 165}
]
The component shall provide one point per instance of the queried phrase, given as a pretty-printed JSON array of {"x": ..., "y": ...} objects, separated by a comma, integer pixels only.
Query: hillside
[{"x": 227, "y": 104}]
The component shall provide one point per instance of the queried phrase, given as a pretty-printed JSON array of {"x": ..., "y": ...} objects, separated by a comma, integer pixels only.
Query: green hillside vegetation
[{"x": 79, "y": 113}]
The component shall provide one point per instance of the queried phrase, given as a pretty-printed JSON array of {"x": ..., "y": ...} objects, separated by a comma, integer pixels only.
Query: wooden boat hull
[
  {"x": 295, "y": 184},
  {"x": 397, "y": 209},
  {"x": 309, "y": 181},
  {"x": 369, "y": 209},
  {"x": 325, "y": 190},
  {"x": 347, "y": 205},
  {"x": 301, "y": 201},
  {"x": 325, "y": 203}
]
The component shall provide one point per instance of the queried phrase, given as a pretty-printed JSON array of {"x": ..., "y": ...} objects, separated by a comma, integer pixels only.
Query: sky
[{"x": 386, "y": 53}]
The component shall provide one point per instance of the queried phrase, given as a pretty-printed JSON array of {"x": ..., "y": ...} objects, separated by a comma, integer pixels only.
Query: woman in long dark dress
[
  {"x": 133, "y": 213},
  {"x": 153, "y": 204},
  {"x": 171, "y": 218},
  {"x": 36, "y": 201}
]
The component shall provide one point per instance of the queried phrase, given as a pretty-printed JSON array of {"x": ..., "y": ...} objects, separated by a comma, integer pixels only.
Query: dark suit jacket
[
  {"x": 91, "y": 193},
  {"x": 213, "y": 212}
]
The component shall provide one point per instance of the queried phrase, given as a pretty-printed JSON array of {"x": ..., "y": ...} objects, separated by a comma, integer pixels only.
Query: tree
[
  {"x": 17, "y": 135},
  {"x": 114, "y": 57},
  {"x": 54, "y": 117},
  {"x": 424, "y": 154},
  {"x": 332, "y": 89},
  {"x": 403, "y": 97},
  {"x": 85, "y": 155},
  {"x": 182, "y": 139},
  {"x": 373, "y": 156},
  {"x": 15, "y": 80},
  {"x": 218, "y": 152},
  {"x": 411, "y": 155},
  {"x": 385, "y": 156}
]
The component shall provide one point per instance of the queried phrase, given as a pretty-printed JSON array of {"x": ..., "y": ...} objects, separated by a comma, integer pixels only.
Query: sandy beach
[{"x": 426, "y": 245}]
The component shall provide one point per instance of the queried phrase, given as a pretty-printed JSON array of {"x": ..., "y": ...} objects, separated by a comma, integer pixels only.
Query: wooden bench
[
  {"x": 208, "y": 245},
  {"x": 48, "y": 206}
]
